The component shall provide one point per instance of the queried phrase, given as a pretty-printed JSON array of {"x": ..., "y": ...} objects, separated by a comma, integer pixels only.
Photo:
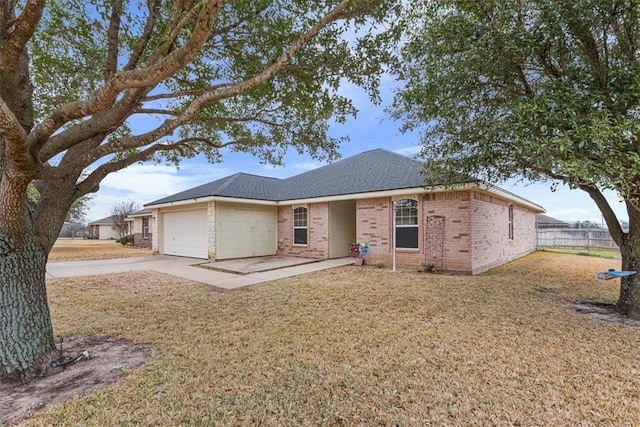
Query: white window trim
[
  {"x": 294, "y": 227},
  {"x": 145, "y": 234},
  {"x": 416, "y": 226}
]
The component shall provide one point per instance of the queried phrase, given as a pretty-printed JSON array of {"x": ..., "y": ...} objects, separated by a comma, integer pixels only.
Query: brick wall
[
  {"x": 141, "y": 242},
  {"x": 455, "y": 207},
  {"x": 491, "y": 245},
  {"x": 374, "y": 225},
  {"x": 317, "y": 227},
  {"x": 138, "y": 239},
  {"x": 474, "y": 237}
]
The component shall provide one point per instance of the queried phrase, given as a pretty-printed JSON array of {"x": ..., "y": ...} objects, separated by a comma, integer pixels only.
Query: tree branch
[
  {"x": 268, "y": 73},
  {"x": 112, "y": 39},
  {"x": 178, "y": 94},
  {"x": 100, "y": 124},
  {"x": 143, "y": 41},
  {"x": 615, "y": 229},
  {"x": 22, "y": 30},
  {"x": 215, "y": 94},
  {"x": 157, "y": 71},
  {"x": 14, "y": 136},
  {"x": 91, "y": 183}
]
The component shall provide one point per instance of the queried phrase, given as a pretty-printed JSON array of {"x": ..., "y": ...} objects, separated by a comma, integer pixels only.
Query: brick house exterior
[
  {"x": 104, "y": 229},
  {"x": 466, "y": 228},
  {"x": 474, "y": 236},
  {"x": 140, "y": 226}
]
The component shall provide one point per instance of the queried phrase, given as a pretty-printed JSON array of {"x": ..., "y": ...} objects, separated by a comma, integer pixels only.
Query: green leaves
[
  {"x": 70, "y": 58},
  {"x": 544, "y": 89}
]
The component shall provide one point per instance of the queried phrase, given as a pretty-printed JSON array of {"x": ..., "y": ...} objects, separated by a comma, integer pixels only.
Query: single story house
[
  {"x": 139, "y": 225},
  {"x": 104, "y": 229},
  {"x": 546, "y": 221},
  {"x": 376, "y": 198}
]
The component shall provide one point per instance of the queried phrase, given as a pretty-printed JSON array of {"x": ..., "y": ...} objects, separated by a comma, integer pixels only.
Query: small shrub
[
  {"x": 428, "y": 268},
  {"x": 126, "y": 240}
]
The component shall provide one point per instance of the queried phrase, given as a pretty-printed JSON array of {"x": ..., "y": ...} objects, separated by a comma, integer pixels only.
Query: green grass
[
  {"x": 360, "y": 346},
  {"x": 600, "y": 253}
]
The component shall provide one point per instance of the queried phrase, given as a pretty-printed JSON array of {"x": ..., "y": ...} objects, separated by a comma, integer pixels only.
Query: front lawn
[
  {"x": 85, "y": 250},
  {"x": 360, "y": 346}
]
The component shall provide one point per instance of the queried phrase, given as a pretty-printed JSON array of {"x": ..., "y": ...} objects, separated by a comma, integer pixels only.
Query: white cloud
[{"x": 146, "y": 183}]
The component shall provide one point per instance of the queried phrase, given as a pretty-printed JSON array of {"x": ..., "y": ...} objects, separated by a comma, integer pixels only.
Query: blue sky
[{"x": 371, "y": 129}]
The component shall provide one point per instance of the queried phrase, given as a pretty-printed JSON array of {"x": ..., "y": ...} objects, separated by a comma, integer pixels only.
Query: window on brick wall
[
  {"x": 510, "y": 222},
  {"x": 300, "y": 230},
  {"x": 145, "y": 227},
  {"x": 406, "y": 212}
]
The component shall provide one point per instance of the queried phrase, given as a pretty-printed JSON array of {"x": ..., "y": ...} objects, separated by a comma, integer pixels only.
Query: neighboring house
[
  {"x": 70, "y": 229},
  {"x": 375, "y": 198},
  {"x": 104, "y": 229},
  {"x": 139, "y": 225},
  {"x": 546, "y": 221}
]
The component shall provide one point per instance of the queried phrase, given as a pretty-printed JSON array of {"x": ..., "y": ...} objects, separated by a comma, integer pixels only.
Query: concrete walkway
[{"x": 185, "y": 268}]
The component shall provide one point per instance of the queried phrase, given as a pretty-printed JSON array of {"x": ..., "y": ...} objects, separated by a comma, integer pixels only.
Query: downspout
[{"x": 394, "y": 236}]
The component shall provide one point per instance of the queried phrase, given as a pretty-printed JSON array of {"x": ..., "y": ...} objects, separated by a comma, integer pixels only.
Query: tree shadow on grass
[{"x": 604, "y": 312}]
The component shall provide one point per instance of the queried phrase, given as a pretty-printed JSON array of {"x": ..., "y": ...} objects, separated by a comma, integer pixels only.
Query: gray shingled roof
[
  {"x": 374, "y": 170},
  {"x": 240, "y": 185},
  {"x": 108, "y": 220}
]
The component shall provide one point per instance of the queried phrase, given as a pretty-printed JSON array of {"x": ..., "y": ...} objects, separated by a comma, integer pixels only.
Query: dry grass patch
[
  {"x": 355, "y": 346},
  {"x": 85, "y": 250}
]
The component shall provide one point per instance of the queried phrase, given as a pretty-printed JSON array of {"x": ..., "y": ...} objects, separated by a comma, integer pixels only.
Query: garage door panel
[
  {"x": 185, "y": 233},
  {"x": 245, "y": 230}
]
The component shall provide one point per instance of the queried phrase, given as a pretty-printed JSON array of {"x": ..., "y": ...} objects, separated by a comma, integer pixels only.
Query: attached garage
[
  {"x": 185, "y": 233},
  {"x": 245, "y": 230}
]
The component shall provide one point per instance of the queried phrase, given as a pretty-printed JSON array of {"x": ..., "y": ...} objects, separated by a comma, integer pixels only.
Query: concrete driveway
[{"x": 188, "y": 268}]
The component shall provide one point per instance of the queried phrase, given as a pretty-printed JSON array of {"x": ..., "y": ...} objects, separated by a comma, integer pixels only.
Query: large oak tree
[
  {"x": 88, "y": 87},
  {"x": 543, "y": 89}
]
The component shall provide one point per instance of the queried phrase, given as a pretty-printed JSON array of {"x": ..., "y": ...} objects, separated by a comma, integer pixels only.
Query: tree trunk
[
  {"x": 26, "y": 333},
  {"x": 629, "y": 300}
]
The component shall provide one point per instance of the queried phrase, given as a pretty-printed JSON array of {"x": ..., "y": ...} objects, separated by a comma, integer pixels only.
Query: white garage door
[
  {"x": 245, "y": 230},
  {"x": 185, "y": 233}
]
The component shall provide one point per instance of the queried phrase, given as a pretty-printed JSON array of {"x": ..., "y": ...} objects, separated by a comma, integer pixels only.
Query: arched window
[
  {"x": 406, "y": 216},
  {"x": 300, "y": 234}
]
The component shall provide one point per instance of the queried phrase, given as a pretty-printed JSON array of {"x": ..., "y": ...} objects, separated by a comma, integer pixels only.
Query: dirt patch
[
  {"x": 604, "y": 312},
  {"x": 108, "y": 358}
]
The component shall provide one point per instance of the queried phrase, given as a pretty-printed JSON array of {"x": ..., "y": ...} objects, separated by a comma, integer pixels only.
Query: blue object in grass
[{"x": 603, "y": 276}]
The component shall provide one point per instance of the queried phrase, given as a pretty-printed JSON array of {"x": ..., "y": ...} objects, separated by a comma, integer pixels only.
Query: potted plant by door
[{"x": 354, "y": 251}]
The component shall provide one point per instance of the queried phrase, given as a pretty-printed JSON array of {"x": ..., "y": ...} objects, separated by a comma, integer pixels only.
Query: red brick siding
[
  {"x": 491, "y": 243},
  {"x": 136, "y": 230},
  {"x": 374, "y": 225},
  {"x": 140, "y": 241},
  {"x": 455, "y": 207},
  {"x": 318, "y": 231},
  {"x": 475, "y": 231}
]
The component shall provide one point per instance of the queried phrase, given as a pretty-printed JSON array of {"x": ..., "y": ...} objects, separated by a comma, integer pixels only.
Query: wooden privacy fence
[{"x": 577, "y": 238}]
